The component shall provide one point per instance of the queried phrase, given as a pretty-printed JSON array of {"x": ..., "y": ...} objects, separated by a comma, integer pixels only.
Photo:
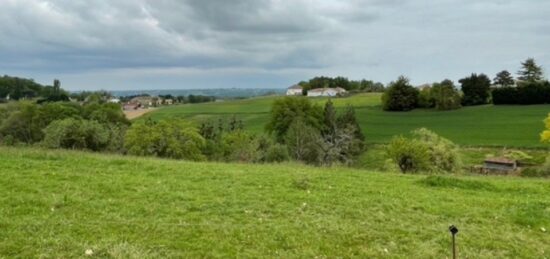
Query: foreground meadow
[
  {"x": 62, "y": 203},
  {"x": 485, "y": 125}
]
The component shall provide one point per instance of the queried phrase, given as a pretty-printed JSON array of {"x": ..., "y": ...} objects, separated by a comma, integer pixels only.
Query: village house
[
  {"x": 329, "y": 92},
  {"x": 146, "y": 101},
  {"x": 294, "y": 90}
]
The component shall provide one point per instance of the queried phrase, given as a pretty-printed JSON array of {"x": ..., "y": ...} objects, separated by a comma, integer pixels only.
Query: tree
[
  {"x": 24, "y": 124},
  {"x": 504, "y": 79},
  {"x": 286, "y": 110},
  {"x": 76, "y": 134},
  {"x": 303, "y": 141},
  {"x": 400, "y": 96},
  {"x": 172, "y": 139},
  {"x": 445, "y": 95},
  {"x": 530, "y": 71},
  {"x": 425, "y": 98},
  {"x": 349, "y": 118},
  {"x": 475, "y": 89},
  {"x": 545, "y": 135}
]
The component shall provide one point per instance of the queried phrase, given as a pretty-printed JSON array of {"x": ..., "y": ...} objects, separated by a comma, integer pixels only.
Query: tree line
[{"x": 476, "y": 89}]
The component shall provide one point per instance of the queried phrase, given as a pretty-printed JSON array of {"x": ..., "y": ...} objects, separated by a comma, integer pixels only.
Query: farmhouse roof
[
  {"x": 295, "y": 87},
  {"x": 500, "y": 160}
]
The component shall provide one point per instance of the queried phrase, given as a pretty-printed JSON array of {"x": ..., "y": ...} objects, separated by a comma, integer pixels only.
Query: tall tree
[
  {"x": 504, "y": 78},
  {"x": 445, "y": 95},
  {"x": 530, "y": 71},
  {"x": 400, "y": 96},
  {"x": 476, "y": 89}
]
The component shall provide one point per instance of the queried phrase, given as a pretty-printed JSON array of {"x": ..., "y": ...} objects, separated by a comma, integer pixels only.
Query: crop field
[
  {"x": 61, "y": 203},
  {"x": 487, "y": 125}
]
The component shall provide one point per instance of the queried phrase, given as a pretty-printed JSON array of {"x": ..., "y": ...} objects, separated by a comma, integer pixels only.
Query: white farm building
[
  {"x": 294, "y": 90},
  {"x": 326, "y": 92}
]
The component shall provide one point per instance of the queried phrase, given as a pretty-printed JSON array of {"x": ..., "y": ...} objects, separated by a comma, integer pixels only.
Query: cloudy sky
[{"x": 173, "y": 44}]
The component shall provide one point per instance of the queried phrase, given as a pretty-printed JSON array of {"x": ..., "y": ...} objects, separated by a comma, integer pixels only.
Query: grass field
[
  {"x": 59, "y": 204},
  {"x": 488, "y": 125}
]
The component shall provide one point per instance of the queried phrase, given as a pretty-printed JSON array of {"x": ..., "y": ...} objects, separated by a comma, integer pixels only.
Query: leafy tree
[
  {"x": 286, "y": 110},
  {"x": 349, "y": 119},
  {"x": 445, "y": 95},
  {"x": 240, "y": 146},
  {"x": 400, "y": 96},
  {"x": 303, "y": 142},
  {"x": 545, "y": 135},
  {"x": 475, "y": 89},
  {"x": 425, "y": 98},
  {"x": 504, "y": 79},
  {"x": 530, "y": 71},
  {"x": 76, "y": 134},
  {"x": 24, "y": 123},
  {"x": 172, "y": 139}
]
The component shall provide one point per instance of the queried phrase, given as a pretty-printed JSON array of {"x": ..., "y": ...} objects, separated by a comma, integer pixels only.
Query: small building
[
  {"x": 131, "y": 106},
  {"x": 168, "y": 101},
  {"x": 500, "y": 164},
  {"x": 114, "y": 100},
  {"x": 329, "y": 92},
  {"x": 294, "y": 90}
]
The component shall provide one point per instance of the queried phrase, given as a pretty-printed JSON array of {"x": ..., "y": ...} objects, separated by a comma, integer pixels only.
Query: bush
[
  {"x": 542, "y": 171},
  {"x": 400, "y": 96},
  {"x": 425, "y": 151},
  {"x": 171, "y": 139},
  {"x": 410, "y": 155},
  {"x": 240, "y": 146},
  {"x": 76, "y": 134},
  {"x": 276, "y": 153},
  {"x": 444, "y": 154}
]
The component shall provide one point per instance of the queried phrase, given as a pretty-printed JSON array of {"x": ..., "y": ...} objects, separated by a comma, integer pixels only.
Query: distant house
[
  {"x": 168, "y": 101},
  {"x": 146, "y": 101},
  {"x": 317, "y": 92},
  {"x": 499, "y": 164},
  {"x": 131, "y": 106},
  {"x": 114, "y": 100},
  {"x": 294, "y": 90}
]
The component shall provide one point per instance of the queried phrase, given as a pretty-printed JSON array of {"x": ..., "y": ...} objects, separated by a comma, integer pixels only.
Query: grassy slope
[
  {"x": 58, "y": 204},
  {"x": 514, "y": 126}
]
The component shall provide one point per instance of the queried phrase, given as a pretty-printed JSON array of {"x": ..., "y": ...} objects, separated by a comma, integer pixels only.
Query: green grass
[
  {"x": 57, "y": 204},
  {"x": 488, "y": 125}
]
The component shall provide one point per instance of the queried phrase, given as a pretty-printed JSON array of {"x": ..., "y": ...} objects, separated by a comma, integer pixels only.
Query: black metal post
[{"x": 453, "y": 231}]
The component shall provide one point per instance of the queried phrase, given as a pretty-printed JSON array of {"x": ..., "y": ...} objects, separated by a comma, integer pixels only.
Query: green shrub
[
  {"x": 444, "y": 154},
  {"x": 541, "y": 171},
  {"x": 240, "y": 146},
  {"x": 276, "y": 153},
  {"x": 172, "y": 139},
  {"x": 425, "y": 151},
  {"x": 76, "y": 134},
  {"x": 410, "y": 155}
]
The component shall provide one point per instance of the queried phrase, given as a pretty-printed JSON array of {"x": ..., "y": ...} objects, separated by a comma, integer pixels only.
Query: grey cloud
[{"x": 378, "y": 39}]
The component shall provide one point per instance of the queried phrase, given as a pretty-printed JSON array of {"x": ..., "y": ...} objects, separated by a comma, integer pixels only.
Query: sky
[{"x": 189, "y": 44}]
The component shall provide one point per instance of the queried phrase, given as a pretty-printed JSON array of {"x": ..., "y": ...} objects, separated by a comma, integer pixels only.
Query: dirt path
[{"x": 137, "y": 113}]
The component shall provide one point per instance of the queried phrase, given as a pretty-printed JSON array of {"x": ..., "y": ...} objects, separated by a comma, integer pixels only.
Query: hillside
[
  {"x": 487, "y": 125},
  {"x": 61, "y": 203}
]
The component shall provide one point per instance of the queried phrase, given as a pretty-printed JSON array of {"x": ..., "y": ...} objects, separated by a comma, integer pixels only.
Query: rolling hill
[
  {"x": 61, "y": 203},
  {"x": 487, "y": 125}
]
